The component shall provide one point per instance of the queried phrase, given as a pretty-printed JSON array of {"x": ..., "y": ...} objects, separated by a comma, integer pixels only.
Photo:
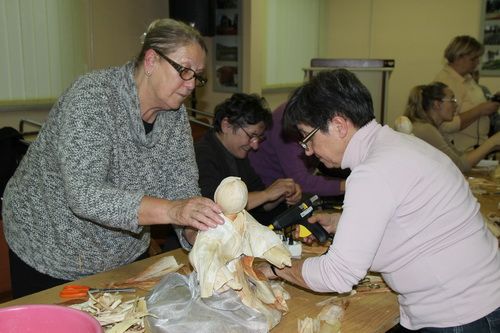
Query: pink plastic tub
[{"x": 46, "y": 319}]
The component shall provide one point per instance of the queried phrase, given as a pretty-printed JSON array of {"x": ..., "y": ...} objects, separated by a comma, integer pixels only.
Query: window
[
  {"x": 44, "y": 48},
  {"x": 292, "y": 40}
]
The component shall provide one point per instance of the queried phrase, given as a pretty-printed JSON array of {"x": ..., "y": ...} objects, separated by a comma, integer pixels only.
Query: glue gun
[{"x": 299, "y": 214}]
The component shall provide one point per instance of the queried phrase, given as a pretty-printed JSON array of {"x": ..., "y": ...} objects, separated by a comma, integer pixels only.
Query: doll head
[{"x": 231, "y": 195}]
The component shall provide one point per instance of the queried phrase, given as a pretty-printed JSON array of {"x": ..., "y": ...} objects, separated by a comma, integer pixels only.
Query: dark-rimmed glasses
[
  {"x": 308, "y": 138},
  {"x": 185, "y": 73},
  {"x": 253, "y": 137}
]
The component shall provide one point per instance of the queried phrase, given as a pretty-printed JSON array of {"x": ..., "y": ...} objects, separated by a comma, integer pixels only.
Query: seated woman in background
[
  {"x": 428, "y": 107},
  {"x": 239, "y": 125}
]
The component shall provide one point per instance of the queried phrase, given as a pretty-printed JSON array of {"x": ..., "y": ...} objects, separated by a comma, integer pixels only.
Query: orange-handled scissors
[{"x": 74, "y": 291}]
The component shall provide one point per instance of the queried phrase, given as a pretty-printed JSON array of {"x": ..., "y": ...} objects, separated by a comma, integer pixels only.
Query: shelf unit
[{"x": 228, "y": 46}]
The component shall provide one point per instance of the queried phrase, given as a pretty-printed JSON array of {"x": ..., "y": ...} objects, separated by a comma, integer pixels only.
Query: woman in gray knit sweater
[{"x": 114, "y": 156}]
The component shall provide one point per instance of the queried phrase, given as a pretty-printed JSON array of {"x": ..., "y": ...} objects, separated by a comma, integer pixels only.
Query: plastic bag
[{"x": 177, "y": 304}]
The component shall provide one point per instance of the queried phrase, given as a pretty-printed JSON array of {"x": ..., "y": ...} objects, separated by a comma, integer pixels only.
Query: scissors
[{"x": 75, "y": 291}]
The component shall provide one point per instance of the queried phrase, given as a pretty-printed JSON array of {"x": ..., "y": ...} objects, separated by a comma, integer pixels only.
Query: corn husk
[
  {"x": 223, "y": 256},
  {"x": 114, "y": 314},
  {"x": 148, "y": 278}
]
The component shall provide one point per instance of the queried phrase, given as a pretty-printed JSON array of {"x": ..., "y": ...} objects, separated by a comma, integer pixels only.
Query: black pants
[{"x": 26, "y": 280}]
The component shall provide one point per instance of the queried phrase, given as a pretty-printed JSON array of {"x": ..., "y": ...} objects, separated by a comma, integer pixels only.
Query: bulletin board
[{"x": 490, "y": 35}]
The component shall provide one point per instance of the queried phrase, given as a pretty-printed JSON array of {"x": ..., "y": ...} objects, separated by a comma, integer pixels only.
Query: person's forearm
[
  {"x": 152, "y": 211},
  {"x": 273, "y": 204},
  {"x": 473, "y": 157},
  {"x": 256, "y": 199},
  {"x": 468, "y": 117},
  {"x": 292, "y": 274}
]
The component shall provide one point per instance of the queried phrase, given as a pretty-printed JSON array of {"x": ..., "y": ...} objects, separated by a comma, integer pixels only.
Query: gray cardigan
[{"x": 71, "y": 208}]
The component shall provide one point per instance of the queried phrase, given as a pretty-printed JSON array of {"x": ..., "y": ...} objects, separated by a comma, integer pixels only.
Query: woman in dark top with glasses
[{"x": 239, "y": 124}]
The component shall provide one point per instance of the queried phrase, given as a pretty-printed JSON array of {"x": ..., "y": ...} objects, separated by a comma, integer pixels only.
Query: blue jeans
[{"x": 488, "y": 324}]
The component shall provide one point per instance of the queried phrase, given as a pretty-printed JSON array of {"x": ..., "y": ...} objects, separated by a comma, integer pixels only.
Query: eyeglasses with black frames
[
  {"x": 253, "y": 137},
  {"x": 185, "y": 73},
  {"x": 308, "y": 138}
]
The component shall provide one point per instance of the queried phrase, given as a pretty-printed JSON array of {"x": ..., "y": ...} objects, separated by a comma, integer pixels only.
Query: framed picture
[{"x": 490, "y": 35}]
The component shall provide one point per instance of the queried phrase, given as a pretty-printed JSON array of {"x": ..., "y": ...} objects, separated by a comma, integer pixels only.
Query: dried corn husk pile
[
  {"x": 223, "y": 257},
  {"x": 479, "y": 186},
  {"x": 114, "y": 314},
  {"x": 493, "y": 223},
  {"x": 327, "y": 321}
]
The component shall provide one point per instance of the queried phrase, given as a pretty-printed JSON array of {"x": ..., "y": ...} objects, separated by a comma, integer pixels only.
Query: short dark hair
[
  {"x": 330, "y": 93},
  {"x": 241, "y": 110}
]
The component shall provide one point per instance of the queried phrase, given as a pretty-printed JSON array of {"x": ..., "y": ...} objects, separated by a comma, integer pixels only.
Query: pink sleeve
[{"x": 368, "y": 207}]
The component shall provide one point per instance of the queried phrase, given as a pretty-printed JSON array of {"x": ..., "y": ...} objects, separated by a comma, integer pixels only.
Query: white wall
[{"x": 413, "y": 32}]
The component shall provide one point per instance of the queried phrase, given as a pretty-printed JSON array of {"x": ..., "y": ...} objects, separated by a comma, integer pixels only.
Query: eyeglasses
[
  {"x": 308, "y": 138},
  {"x": 185, "y": 73},
  {"x": 253, "y": 137},
  {"x": 450, "y": 99}
]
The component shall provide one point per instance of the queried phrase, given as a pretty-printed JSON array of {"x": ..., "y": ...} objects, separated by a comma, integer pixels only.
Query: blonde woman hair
[
  {"x": 461, "y": 46},
  {"x": 420, "y": 101},
  {"x": 167, "y": 35}
]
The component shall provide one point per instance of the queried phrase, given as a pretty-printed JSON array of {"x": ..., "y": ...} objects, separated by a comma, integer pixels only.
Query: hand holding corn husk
[{"x": 223, "y": 256}]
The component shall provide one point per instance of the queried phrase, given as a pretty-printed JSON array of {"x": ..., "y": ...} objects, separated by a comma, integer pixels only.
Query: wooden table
[
  {"x": 487, "y": 191},
  {"x": 374, "y": 313}
]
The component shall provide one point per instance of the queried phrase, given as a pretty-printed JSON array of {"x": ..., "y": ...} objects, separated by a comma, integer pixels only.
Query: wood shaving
[{"x": 114, "y": 314}]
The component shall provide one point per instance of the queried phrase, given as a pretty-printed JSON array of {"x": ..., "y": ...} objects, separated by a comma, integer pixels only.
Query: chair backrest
[
  {"x": 403, "y": 124},
  {"x": 12, "y": 150}
]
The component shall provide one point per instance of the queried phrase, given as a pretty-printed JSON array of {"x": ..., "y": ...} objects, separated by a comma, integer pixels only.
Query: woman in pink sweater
[{"x": 408, "y": 213}]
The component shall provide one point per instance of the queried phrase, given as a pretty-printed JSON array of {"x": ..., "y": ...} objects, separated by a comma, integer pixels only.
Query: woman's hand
[
  {"x": 197, "y": 212},
  {"x": 295, "y": 196},
  {"x": 283, "y": 188},
  {"x": 328, "y": 222}
]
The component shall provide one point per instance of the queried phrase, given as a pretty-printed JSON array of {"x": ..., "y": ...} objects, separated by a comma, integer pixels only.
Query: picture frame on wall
[{"x": 490, "y": 36}]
